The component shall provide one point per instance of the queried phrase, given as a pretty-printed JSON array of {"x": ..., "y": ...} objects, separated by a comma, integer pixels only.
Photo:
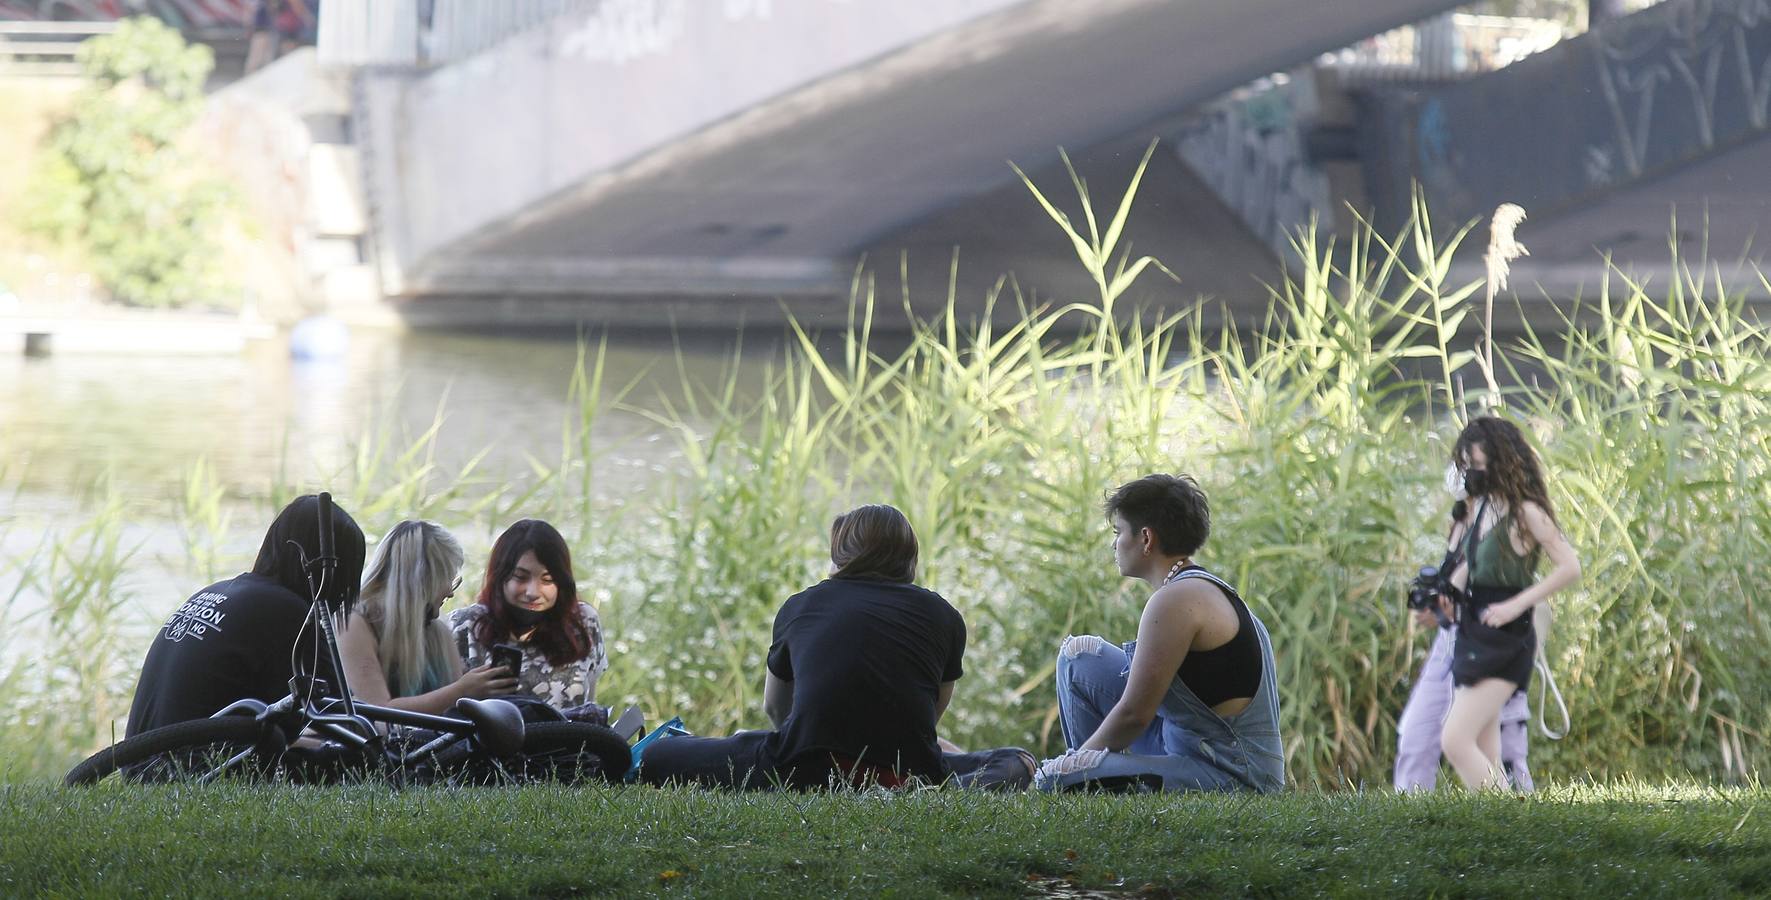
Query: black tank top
[{"x": 1228, "y": 671}]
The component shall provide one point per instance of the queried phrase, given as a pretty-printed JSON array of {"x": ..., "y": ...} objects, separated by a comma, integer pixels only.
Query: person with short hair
[
  {"x": 1510, "y": 528},
  {"x": 1191, "y": 704},
  {"x": 395, "y": 650},
  {"x": 236, "y": 639},
  {"x": 862, "y": 667}
]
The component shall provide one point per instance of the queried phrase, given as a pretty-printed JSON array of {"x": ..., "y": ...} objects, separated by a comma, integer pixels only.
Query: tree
[{"x": 115, "y": 180}]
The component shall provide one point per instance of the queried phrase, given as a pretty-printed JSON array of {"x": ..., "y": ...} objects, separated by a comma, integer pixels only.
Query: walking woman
[
  {"x": 531, "y": 599},
  {"x": 395, "y": 651},
  {"x": 1511, "y": 527}
]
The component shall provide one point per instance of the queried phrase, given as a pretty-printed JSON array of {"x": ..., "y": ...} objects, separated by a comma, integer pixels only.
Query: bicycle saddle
[{"x": 498, "y": 724}]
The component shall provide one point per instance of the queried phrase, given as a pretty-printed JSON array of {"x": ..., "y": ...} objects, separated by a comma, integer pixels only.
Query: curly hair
[{"x": 1514, "y": 473}]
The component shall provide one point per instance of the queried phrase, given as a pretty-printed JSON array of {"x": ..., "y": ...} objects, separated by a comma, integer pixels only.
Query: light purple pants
[{"x": 1423, "y": 719}]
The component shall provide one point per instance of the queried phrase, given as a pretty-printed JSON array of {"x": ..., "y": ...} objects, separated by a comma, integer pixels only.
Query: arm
[
  {"x": 1564, "y": 567},
  {"x": 362, "y": 664},
  {"x": 1165, "y": 632},
  {"x": 356, "y": 645},
  {"x": 943, "y": 697},
  {"x": 1458, "y": 575},
  {"x": 777, "y": 699}
]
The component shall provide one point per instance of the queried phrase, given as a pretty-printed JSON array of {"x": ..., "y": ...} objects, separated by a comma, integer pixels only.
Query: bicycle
[{"x": 336, "y": 737}]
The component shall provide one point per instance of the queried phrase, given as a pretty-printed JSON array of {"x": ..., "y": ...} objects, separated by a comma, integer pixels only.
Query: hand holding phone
[{"x": 510, "y": 656}]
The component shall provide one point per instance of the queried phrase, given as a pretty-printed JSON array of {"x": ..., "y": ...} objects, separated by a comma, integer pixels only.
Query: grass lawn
[{"x": 365, "y": 841}]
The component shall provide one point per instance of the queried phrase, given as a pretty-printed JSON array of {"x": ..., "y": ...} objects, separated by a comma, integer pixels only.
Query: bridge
[
  {"x": 716, "y": 156},
  {"x": 647, "y": 161}
]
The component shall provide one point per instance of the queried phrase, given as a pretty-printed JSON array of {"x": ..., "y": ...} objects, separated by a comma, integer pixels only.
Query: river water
[{"x": 72, "y": 426}]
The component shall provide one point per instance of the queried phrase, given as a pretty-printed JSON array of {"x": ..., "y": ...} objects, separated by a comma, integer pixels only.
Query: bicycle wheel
[
  {"x": 569, "y": 751},
  {"x": 174, "y": 752},
  {"x": 552, "y": 751}
]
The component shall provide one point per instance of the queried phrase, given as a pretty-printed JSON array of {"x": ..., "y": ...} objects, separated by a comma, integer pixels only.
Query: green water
[{"x": 73, "y": 426}]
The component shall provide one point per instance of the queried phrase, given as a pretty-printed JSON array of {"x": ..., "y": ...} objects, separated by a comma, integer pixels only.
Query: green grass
[{"x": 363, "y": 841}]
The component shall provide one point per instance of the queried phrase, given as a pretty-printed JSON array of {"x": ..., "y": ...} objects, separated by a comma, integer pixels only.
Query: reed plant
[
  {"x": 1321, "y": 433},
  {"x": 69, "y": 660}
]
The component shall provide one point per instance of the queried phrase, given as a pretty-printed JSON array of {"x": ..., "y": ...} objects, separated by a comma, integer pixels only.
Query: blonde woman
[{"x": 395, "y": 651}]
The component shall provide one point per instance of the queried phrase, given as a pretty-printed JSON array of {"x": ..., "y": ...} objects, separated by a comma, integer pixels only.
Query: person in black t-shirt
[
  {"x": 862, "y": 667},
  {"x": 236, "y": 639}
]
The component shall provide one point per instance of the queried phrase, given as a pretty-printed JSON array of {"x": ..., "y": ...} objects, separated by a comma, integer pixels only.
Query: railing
[
  {"x": 428, "y": 32},
  {"x": 46, "y": 48},
  {"x": 1447, "y": 47},
  {"x": 462, "y": 28}
]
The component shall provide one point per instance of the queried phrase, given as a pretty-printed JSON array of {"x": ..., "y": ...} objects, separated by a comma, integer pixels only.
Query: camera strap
[{"x": 1470, "y": 542}]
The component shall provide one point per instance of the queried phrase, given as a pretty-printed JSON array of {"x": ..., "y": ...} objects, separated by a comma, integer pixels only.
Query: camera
[{"x": 1426, "y": 589}]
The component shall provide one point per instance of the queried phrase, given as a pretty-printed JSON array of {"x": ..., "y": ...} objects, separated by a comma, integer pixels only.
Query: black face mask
[
  {"x": 1475, "y": 482},
  {"x": 524, "y": 618}
]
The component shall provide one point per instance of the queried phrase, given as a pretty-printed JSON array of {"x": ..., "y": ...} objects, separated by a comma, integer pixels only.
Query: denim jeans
[{"x": 1188, "y": 746}]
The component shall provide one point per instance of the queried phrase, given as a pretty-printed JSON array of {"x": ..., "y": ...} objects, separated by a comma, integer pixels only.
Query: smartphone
[{"x": 510, "y": 656}]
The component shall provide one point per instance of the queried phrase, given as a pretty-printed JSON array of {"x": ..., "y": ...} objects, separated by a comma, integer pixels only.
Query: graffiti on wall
[
  {"x": 189, "y": 15},
  {"x": 1686, "y": 56},
  {"x": 621, "y": 30},
  {"x": 1250, "y": 150}
]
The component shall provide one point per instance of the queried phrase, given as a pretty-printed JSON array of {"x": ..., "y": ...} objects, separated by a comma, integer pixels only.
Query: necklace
[{"x": 1175, "y": 570}]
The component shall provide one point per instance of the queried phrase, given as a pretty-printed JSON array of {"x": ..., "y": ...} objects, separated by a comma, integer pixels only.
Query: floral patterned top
[{"x": 560, "y": 687}]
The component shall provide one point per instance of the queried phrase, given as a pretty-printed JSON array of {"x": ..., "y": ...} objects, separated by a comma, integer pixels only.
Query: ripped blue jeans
[{"x": 1091, "y": 677}]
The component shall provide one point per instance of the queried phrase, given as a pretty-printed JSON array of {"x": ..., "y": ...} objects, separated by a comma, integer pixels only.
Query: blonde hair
[{"x": 413, "y": 567}]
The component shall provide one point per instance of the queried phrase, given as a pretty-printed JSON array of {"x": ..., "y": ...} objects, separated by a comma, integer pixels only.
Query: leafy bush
[{"x": 115, "y": 181}]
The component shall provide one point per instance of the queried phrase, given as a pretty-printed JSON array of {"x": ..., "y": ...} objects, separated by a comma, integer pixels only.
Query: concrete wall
[
  {"x": 1638, "y": 98},
  {"x": 540, "y": 113}
]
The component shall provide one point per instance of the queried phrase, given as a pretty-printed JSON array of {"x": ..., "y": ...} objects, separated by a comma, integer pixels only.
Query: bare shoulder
[
  {"x": 1188, "y": 596},
  {"x": 1537, "y": 520}
]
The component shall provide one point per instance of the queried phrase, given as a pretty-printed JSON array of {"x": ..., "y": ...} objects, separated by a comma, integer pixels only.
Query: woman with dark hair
[
  {"x": 235, "y": 639},
  {"x": 530, "y": 599},
  {"x": 1510, "y": 526},
  {"x": 861, "y": 669},
  {"x": 1191, "y": 704}
]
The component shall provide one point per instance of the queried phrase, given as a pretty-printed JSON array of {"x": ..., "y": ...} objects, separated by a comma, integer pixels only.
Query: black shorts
[{"x": 1481, "y": 651}]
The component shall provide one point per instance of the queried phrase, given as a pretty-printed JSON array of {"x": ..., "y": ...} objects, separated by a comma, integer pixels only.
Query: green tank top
[{"x": 1496, "y": 564}]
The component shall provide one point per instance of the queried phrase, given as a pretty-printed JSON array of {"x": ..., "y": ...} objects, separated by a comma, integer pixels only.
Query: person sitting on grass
[
  {"x": 1191, "y": 704},
  {"x": 236, "y": 639},
  {"x": 862, "y": 667},
  {"x": 531, "y": 599},
  {"x": 394, "y": 649}
]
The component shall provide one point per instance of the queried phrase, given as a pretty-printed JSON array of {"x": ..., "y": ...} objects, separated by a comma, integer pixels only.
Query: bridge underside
[
  {"x": 1718, "y": 210},
  {"x": 901, "y": 152}
]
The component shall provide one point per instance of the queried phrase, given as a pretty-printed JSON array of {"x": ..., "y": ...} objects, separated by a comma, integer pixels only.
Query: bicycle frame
[{"x": 299, "y": 713}]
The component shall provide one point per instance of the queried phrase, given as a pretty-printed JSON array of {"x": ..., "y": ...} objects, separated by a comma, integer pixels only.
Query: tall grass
[{"x": 1321, "y": 434}]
